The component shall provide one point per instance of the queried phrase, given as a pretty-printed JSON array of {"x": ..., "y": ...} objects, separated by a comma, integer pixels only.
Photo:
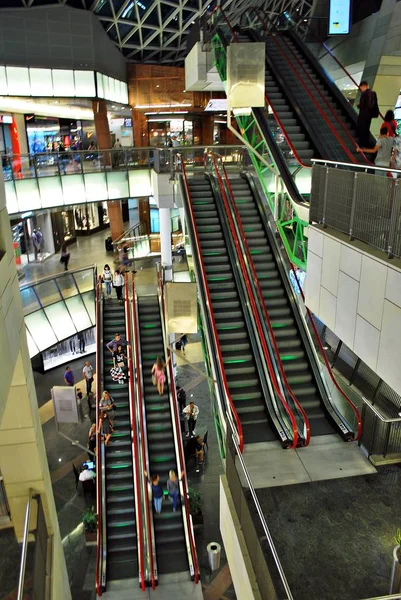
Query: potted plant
[
  {"x": 195, "y": 506},
  {"x": 89, "y": 521},
  {"x": 395, "y": 585}
]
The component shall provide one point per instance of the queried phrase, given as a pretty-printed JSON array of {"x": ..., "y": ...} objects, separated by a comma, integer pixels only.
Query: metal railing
[
  {"x": 81, "y": 162},
  {"x": 381, "y": 434},
  {"x": 4, "y": 507},
  {"x": 363, "y": 205}
]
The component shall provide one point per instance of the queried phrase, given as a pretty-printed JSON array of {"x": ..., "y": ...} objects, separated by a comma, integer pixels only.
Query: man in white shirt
[
  {"x": 86, "y": 474},
  {"x": 191, "y": 412},
  {"x": 87, "y": 372}
]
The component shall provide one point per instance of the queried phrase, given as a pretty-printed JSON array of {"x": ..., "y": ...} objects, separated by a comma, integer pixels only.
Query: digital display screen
[
  {"x": 127, "y": 122},
  {"x": 339, "y": 17}
]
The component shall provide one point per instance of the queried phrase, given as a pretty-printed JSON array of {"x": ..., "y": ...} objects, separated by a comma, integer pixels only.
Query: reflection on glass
[
  {"x": 47, "y": 292},
  {"x": 78, "y": 313},
  {"x": 60, "y": 320},
  {"x": 32, "y": 347},
  {"x": 29, "y": 301},
  {"x": 84, "y": 280},
  {"x": 67, "y": 286},
  {"x": 40, "y": 330},
  {"x": 89, "y": 301}
]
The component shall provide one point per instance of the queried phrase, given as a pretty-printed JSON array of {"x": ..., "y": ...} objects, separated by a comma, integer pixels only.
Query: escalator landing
[{"x": 326, "y": 457}]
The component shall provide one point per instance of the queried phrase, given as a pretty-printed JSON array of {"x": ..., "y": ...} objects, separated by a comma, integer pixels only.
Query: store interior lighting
[
  {"x": 140, "y": 106},
  {"x": 50, "y": 109}
]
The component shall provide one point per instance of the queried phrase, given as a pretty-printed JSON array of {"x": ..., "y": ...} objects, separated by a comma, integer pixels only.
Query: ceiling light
[
  {"x": 162, "y": 105},
  {"x": 168, "y": 112},
  {"x": 127, "y": 10},
  {"x": 158, "y": 85}
]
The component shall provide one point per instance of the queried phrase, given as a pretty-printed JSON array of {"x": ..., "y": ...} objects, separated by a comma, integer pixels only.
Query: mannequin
[{"x": 36, "y": 242}]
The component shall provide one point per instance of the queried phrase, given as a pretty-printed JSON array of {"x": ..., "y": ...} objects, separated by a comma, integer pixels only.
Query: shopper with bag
[{"x": 159, "y": 375}]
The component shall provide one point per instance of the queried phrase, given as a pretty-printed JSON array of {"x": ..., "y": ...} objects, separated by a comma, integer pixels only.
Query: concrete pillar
[
  {"x": 207, "y": 130},
  {"x": 101, "y": 123},
  {"x": 116, "y": 218},
  {"x": 141, "y": 134},
  {"x": 165, "y": 243},
  {"x": 182, "y": 219}
]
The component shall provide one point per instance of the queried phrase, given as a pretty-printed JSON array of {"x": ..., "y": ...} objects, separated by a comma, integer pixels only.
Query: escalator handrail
[
  {"x": 233, "y": 411},
  {"x": 326, "y": 361},
  {"x": 137, "y": 478},
  {"x": 226, "y": 19},
  {"x": 263, "y": 306},
  {"x": 99, "y": 482},
  {"x": 140, "y": 400},
  {"x": 317, "y": 105},
  {"x": 277, "y": 118},
  {"x": 325, "y": 100},
  {"x": 252, "y": 300},
  {"x": 180, "y": 446}
]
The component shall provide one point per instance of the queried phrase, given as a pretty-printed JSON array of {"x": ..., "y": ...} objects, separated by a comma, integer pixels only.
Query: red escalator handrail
[
  {"x": 326, "y": 362},
  {"x": 218, "y": 8},
  {"x": 264, "y": 308},
  {"x": 212, "y": 319},
  {"x": 134, "y": 436},
  {"x": 317, "y": 105},
  {"x": 181, "y": 452},
  {"x": 140, "y": 400},
  {"x": 325, "y": 100},
  {"x": 254, "y": 306},
  {"x": 98, "y": 442}
]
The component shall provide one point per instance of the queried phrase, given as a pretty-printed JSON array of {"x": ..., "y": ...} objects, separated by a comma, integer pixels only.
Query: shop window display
[
  {"x": 33, "y": 238},
  {"x": 81, "y": 344}
]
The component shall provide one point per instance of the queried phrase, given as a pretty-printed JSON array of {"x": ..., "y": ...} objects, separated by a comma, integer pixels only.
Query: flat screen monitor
[
  {"x": 90, "y": 465},
  {"x": 339, "y": 17}
]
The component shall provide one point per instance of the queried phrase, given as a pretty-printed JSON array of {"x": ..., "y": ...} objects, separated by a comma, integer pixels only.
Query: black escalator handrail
[
  {"x": 100, "y": 541},
  {"x": 179, "y": 444},
  {"x": 139, "y": 380},
  {"x": 326, "y": 361},
  {"x": 263, "y": 305},
  {"x": 233, "y": 411},
  {"x": 253, "y": 303},
  {"x": 137, "y": 478},
  {"x": 325, "y": 100}
]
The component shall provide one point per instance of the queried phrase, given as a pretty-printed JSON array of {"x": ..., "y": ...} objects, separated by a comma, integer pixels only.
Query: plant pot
[
  {"x": 197, "y": 519},
  {"x": 90, "y": 538},
  {"x": 395, "y": 582}
]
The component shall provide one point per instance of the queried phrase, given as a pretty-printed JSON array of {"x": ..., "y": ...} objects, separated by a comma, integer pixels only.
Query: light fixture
[
  {"x": 168, "y": 112},
  {"x": 183, "y": 105}
]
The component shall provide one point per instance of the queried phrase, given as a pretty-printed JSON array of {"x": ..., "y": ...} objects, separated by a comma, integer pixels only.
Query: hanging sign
[{"x": 340, "y": 17}]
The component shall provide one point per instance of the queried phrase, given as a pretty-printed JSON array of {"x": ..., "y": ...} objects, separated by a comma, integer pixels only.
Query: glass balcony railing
[{"x": 57, "y": 308}]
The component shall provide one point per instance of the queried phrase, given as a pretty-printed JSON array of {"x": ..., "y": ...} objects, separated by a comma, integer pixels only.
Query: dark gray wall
[{"x": 58, "y": 37}]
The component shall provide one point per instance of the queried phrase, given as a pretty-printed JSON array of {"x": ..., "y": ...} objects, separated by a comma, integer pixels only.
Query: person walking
[
  {"x": 87, "y": 372},
  {"x": 107, "y": 404},
  {"x": 390, "y": 123},
  {"x": 107, "y": 425},
  {"x": 173, "y": 488},
  {"x": 157, "y": 491},
  {"x": 184, "y": 342},
  {"x": 191, "y": 412},
  {"x": 159, "y": 376},
  {"x": 118, "y": 340},
  {"x": 181, "y": 398},
  {"x": 92, "y": 441},
  {"x": 107, "y": 278},
  {"x": 384, "y": 148},
  {"x": 118, "y": 282},
  {"x": 65, "y": 256},
  {"x": 69, "y": 377},
  {"x": 368, "y": 110}
]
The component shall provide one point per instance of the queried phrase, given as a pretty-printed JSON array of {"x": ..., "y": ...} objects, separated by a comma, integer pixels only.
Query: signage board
[
  {"x": 181, "y": 307},
  {"x": 246, "y": 75},
  {"x": 340, "y": 17},
  {"x": 217, "y": 104},
  {"x": 65, "y": 404},
  {"x": 6, "y": 119}
]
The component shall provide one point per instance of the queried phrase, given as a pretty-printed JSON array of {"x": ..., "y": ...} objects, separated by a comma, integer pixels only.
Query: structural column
[
  {"x": 116, "y": 219},
  {"x": 165, "y": 243},
  {"x": 101, "y": 124},
  {"x": 141, "y": 135}
]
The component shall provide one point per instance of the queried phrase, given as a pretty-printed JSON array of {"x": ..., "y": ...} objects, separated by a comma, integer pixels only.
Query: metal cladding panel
[
  {"x": 182, "y": 310},
  {"x": 65, "y": 404},
  {"x": 246, "y": 75}
]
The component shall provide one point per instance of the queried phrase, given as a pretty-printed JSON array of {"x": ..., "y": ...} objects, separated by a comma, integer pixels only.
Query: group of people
[
  {"x": 115, "y": 281},
  {"x": 388, "y": 144},
  {"x": 173, "y": 489}
]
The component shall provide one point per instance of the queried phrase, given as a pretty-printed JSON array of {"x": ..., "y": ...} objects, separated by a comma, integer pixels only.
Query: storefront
[
  {"x": 174, "y": 132},
  {"x": 49, "y": 134},
  {"x": 32, "y": 237},
  {"x": 121, "y": 129},
  {"x": 90, "y": 218},
  {"x": 6, "y": 145}
]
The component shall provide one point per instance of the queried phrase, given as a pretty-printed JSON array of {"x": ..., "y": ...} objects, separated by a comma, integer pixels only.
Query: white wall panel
[
  {"x": 366, "y": 343},
  {"x": 312, "y": 282},
  {"x": 328, "y": 308},
  {"x": 347, "y": 302},
  {"x": 371, "y": 291},
  {"x": 73, "y": 189},
  {"x": 393, "y": 287},
  {"x": 51, "y": 192},
  {"x": 388, "y": 363},
  {"x": 331, "y": 264},
  {"x": 28, "y": 196},
  {"x": 95, "y": 186},
  {"x": 139, "y": 183},
  {"x": 351, "y": 262},
  {"x": 11, "y": 197},
  {"x": 315, "y": 242},
  {"x": 117, "y": 185}
]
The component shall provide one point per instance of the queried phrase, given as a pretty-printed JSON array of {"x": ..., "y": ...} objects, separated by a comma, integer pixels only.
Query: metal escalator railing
[
  {"x": 139, "y": 482},
  {"x": 179, "y": 448},
  {"x": 266, "y": 354},
  {"x": 142, "y": 443},
  {"x": 322, "y": 351},
  {"x": 232, "y": 207},
  {"x": 228, "y": 400},
  {"x": 101, "y": 540}
]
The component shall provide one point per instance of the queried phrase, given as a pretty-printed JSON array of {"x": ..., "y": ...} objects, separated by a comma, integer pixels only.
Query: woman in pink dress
[{"x": 159, "y": 374}]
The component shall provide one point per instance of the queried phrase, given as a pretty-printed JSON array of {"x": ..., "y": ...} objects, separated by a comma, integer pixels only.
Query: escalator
[
  {"x": 300, "y": 366},
  {"x": 241, "y": 367},
  {"x": 171, "y": 548},
  {"x": 122, "y": 548}
]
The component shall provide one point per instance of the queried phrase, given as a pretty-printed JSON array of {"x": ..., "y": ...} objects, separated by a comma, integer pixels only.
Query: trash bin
[
  {"x": 108, "y": 242},
  {"x": 214, "y": 552}
]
